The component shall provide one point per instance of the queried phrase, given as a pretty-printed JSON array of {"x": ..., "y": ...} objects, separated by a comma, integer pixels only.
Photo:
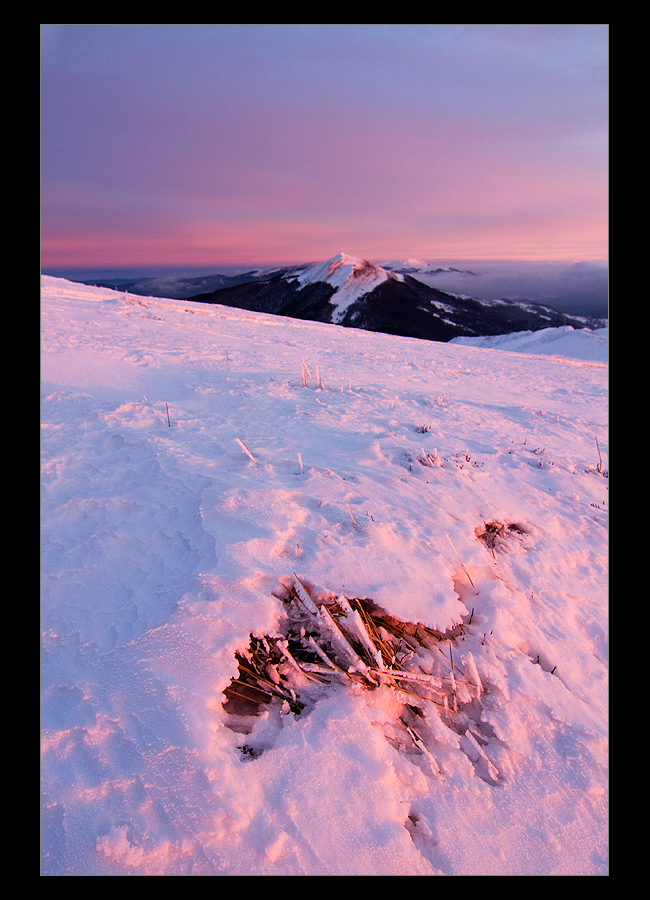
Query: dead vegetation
[
  {"x": 498, "y": 536},
  {"x": 338, "y": 640}
]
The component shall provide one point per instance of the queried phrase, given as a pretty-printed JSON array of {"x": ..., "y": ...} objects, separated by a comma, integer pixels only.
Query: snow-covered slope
[
  {"x": 195, "y": 460},
  {"x": 578, "y": 343}
]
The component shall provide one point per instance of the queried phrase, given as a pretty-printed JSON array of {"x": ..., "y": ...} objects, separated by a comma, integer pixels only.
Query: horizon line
[{"x": 257, "y": 264}]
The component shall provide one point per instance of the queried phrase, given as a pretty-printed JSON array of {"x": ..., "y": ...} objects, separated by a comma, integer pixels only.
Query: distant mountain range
[
  {"x": 181, "y": 287},
  {"x": 355, "y": 293}
]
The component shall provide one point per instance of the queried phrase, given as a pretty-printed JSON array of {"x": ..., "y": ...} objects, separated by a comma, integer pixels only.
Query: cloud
[{"x": 581, "y": 288}]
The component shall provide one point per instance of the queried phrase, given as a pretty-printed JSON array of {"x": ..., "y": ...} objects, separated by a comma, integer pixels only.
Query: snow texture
[
  {"x": 165, "y": 546},
  {"x": 578, "y": 343}
]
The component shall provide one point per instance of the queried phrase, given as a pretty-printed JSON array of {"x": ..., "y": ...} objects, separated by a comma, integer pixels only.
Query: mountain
[
  {"x": 180, "y": 287},
  {"x": 421, "y": 267},
  {"x": 356, "y": 293},
  {"x": 576, "y": 288}
]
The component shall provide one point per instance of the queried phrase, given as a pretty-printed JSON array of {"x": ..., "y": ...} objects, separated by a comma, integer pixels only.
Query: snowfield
[
  {"x": 577, "y": 343},
  {"x": 200, "y": 466}
]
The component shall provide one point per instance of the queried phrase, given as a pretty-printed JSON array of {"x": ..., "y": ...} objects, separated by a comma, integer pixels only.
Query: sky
[{"x": 234, "y": 145}]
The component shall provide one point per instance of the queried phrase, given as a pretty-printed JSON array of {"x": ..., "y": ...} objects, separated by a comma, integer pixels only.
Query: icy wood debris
[{"x": 353, "y": 641}]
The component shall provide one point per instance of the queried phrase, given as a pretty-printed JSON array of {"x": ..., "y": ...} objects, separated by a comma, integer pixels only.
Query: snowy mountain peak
[
  {"x": 351, "y": 277},
  {"x": 338, "y": 269},
  {"x": 414, "y": 263}
]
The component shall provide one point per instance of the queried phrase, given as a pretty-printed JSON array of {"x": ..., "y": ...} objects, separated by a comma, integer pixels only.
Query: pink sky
[{"x": 230, "y": 145}]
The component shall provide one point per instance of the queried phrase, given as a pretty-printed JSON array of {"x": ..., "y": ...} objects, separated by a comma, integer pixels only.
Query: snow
[
  {"x": 164, "y": 547},
  {"x": 350, "y": 276},
  {"x": 580, "y": 343}
]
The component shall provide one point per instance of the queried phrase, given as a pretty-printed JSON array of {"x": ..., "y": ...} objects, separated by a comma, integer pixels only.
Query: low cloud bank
[{"x": 579, "y": 288}]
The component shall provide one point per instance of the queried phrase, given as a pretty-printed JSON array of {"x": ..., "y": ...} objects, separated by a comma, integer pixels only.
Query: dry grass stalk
[
  {"x": 245, "y": 449},
  {"x": 304, "y": 596},
  {"x": 419, "y": 743},
  {"x": 453, "y": 680},
  {"x": 252, "y": 687},
  {"x": 461, "y": 563}
]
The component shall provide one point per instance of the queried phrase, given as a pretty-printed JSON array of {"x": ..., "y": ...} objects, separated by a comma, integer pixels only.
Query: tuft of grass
[
  {"x": 307, "y": 376},
  {"x": 494, "y": 534},
  {"x": 430, "y": 459}
]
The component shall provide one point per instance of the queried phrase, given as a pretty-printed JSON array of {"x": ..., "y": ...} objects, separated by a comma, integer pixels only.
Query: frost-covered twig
[
  {"x": 331, "y": 665},
  {"x": 453, "y": 679},
  {"x": 600, "y": 463},
  {"x": 305, "y": 597},
  {"x": 430, "y": 459},
  {"x": 245, "y": 449},
  {"x": 347, "y": 656},
  {"x": 473, "y": 671},
  {"x": 318, "y": 381},
  {"x": 419, "y": 743},
  {"x": 422, "y": 677}
]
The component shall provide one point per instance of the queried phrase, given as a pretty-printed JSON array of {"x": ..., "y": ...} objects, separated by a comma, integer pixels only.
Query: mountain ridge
[{"x": 355, "y": 293}]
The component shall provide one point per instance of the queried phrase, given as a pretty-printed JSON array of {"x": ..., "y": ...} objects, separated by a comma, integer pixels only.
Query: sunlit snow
[
  {"x": 577, "y": 343},
  {"x": 193, "y": 459},
  {"x": 352, "y": 277}
]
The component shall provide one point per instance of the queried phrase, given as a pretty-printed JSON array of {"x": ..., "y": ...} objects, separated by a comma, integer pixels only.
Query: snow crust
[{"x": 373, "y": 464}]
